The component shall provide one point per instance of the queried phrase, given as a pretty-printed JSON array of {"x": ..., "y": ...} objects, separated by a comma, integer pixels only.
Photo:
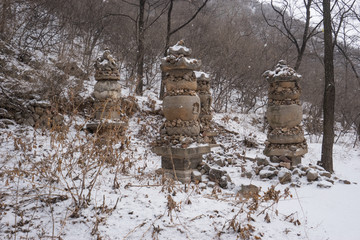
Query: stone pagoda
[
  {"x": 285, "y": 138},
  {"x": 180, "y": 151},
  {"x": 107, "y": 93},
  {"x": 205, "y": 117}
]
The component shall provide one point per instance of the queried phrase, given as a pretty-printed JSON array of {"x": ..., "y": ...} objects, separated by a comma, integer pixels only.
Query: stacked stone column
[
  {"x": 181, "y": 107},
  {"x": 205, "y": 117},
  {"x": 285, "y": 139},
  {"x": 107, "y": 94}
]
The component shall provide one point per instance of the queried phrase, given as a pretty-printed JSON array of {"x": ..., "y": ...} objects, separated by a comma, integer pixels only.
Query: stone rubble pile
[
  {"x": 294, "y": 175},
  {"x": 285, "y": 139},
  {"x": 35, "y": 114}
]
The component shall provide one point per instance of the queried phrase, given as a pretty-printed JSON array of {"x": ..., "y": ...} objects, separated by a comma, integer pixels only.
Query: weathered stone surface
[
  {"x": 185, "y": 107},
  {"x": 193, "y": 130},
  {"x": 181, "y": 163},
  {"x": 205, "y": 100},
  {"x": 283, "y": 139},
  {"x": 216, "y": 174},
  {"x": 183, "y": 84},
  {"x": 285, "y": 96},
  {"x": 203, "y": 87},
  {"x": 287, "y": 84},
  {"x": 220, "y": 177},
  {"x": 325, "y": 174},
  {"x": 284, "y": 152},
  {"x": 296, "y": 160},
  {"x": 296, "y": 171},
  {"x": 284, "y": 176},
  {"x": 274, "y": 159},
  {"x": 220, "y": 163},
  {"x": 324, "y": 184},
  {"x": 312, "y": 175},
  {"x": 102, "y": 86},
  {"x": 248, "y": 191},
  {"x": 206, "y": 168},
  {"x": 177, "y": 152},
  {"x": 262, "y": 162},
  {"x": 344, "y": 181},
  {"x": 106, "y": 68},
  {"x": 196, "y": 176},
  {"x": 223, "y": 182},
  {"x": 204, "y": 178},
  {"x": 285, "y": 165},
  {"x": 183, "y": 176},
  {"x": 107, "y": 89},
  {"x": 267, "y": 174},
  {"x": 284, "y": 115},
  {"x": 248, "y": 175},
  {"x": 174, "y": 63}
]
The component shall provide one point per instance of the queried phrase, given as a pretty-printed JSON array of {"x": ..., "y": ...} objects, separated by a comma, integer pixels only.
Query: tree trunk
[
  {"x": 329, "y": 92},
  {"x": 140, "y": 51},
  {"x": 167, "y": 43},
  {"x": 4, "y": 18}
]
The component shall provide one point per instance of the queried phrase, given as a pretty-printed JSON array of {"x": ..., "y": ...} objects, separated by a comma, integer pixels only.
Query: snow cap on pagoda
[
  {"x": 282, "y": 73},
  {"x": 178, "y": 59},
  {"x": 202, "y": 76},
  {"x": 106, "y": 67},
  {"x": 179, "y": 49}
]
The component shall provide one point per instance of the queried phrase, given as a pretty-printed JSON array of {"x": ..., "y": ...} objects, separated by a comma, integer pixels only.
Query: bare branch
[{"x": 188, "y": 21}]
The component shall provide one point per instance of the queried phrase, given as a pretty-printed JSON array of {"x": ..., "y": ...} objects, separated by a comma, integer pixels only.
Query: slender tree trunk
[
  {"x": 167, "y": 43},
  {"x": 4, "y": 18},
  {"x": 329, "y": 93},
  {"x": 140, "y": 51},
  {"x": 298, "y": 61}
]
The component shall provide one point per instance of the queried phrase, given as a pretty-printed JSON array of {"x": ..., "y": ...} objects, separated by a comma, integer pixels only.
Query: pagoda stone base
[
  {"x": 178, "y": 163},
  {"x": 292, "y": 152},
  {"x": 294, "y": 161}
]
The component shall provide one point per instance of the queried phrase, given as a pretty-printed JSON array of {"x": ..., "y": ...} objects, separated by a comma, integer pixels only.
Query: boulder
[
  {"x": 284, "y": 176},
  {"x": 196, "y": 176},
  {"x": 267, "y": 174},
  {"x": 312, "y": 175},
  {"x": 262, "y": 162},
  {"x": 248, "y": 191}
]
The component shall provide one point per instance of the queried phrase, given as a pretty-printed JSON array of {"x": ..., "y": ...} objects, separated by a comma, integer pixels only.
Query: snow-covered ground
[{"x": 42, "y": 174}]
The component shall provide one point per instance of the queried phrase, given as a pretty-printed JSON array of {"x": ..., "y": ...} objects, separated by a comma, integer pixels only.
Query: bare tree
[
  {"x": 140, "y": 49},
  {"x": 291, "y": 26},
  {"x": 329, "y": 92},
  {"x": 331, "y": 32}
]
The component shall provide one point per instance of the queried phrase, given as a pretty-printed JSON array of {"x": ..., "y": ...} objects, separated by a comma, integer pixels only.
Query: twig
[
  {"x": 302, "y": 209},
  {"x": 138, "y": 226}
]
